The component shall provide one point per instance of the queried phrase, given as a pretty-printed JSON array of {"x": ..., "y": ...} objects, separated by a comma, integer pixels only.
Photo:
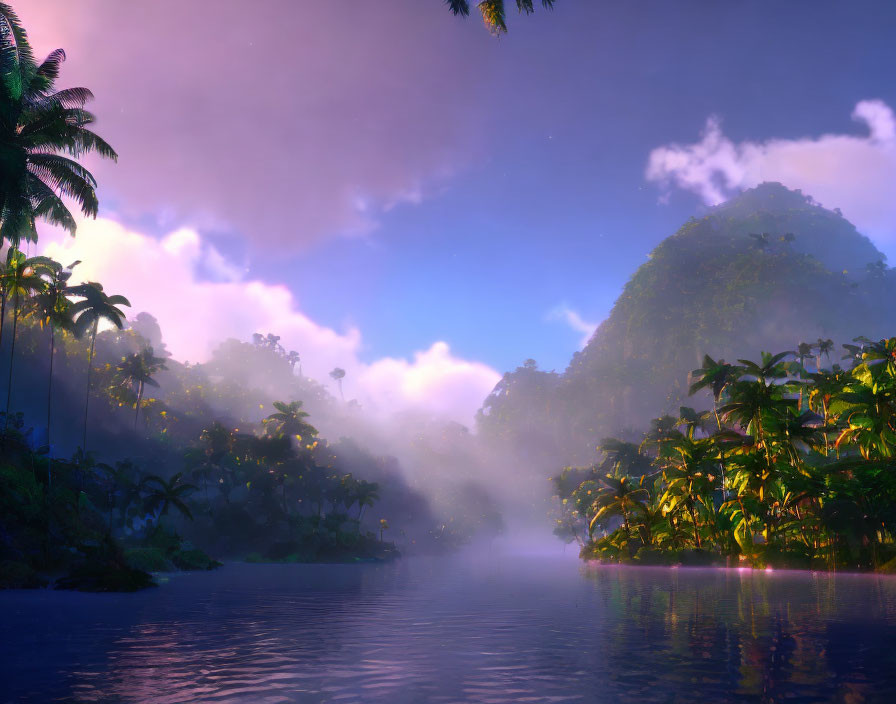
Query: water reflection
[
  {"x": 459, "y": 631},
  {"x": 751, "y": 636}
]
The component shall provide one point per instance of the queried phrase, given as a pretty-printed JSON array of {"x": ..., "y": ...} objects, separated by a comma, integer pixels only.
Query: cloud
[
  {"x": 855, "y": 173},
  {"x": 574, "y": 321},
  {"x": 266, "y": 119},
  {"x": 164, "y": 277},
  {"x": 435, "y": 380}
]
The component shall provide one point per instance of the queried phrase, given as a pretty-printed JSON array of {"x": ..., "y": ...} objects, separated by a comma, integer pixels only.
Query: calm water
[{"x": 463, "y": 630}]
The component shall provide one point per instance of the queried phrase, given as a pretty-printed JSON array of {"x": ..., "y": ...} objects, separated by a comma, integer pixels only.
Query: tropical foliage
[
  {"x": 792, "y": 466},
  {"x": 494, "y": 12},
  {"x": 43, "y": 131}
]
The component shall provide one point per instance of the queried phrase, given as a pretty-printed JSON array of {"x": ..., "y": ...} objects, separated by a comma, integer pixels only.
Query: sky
[{"x": 397, "y": 192}]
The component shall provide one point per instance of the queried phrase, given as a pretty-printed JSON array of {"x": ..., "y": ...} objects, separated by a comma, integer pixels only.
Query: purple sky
[{"x": 396, "y": 192}]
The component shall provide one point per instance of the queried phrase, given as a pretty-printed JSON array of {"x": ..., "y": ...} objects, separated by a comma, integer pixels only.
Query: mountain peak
[
  {"x": 776, "y": 210},
  {"x": 769, "y": 196}
]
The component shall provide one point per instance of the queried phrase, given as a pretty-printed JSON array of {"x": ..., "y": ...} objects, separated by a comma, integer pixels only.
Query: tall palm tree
[
  {"x": 338, "y": 375},
  {"x": 163, "y": 495},
  {"x": 366, "y": 494},
  {"x": 824, "y": 347},
  {"x": 716, "y": 376},
  {"x": 135, "y": 372},
  {"x": 289, "y": 421},
  {"x": 24, "y": 276},
  {"x": 42, "y": 133},
  {"x": 87, "y": 313},
  {"x": 51, "y": 308}
]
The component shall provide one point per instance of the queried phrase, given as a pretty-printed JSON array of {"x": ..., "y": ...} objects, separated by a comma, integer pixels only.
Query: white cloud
[
  {"x": 435, "y": 380},
  {"x": 853, "y": 172},
  {"x": 574, "y": 321},
  {"x": 195, "y": 314}
]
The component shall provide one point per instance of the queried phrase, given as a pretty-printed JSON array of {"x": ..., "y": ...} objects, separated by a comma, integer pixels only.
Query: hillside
[{"x": 764, "y": 271}]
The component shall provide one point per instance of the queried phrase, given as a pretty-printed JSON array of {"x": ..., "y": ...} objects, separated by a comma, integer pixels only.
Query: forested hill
[{"x": 764, "y": 271}]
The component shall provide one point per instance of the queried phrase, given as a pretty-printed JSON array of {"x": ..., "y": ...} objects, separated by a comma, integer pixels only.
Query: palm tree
[
  {"x": 87, "y": 314},
  {"x": 40, "y": 128},
  {"x": 162, "y": 495},
  {"x": 616, "y": 494},
  {"x": 716, "y": 376},
  {"x": 51, "y": 307},
  {"x": 24, "y": 276},
  {"x": 750, "y": 400},
  {"x": 338, "y": 375},
  {"x": 135, "y": 371},
  {"x": 689, "y": 468},
  {"x": 493, "y": 11},
  {"x": 824, "y": 347},
  {"x": 826, "y": 385},
  {"x": 289, "y": 421},
  {"x": 366, "y": 494}
]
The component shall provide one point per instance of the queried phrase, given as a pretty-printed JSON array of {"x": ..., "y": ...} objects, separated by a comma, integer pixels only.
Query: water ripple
[{"x": 452, "y": 631}]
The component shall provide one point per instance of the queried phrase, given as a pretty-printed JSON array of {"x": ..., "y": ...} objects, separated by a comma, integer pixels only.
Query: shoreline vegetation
[
  {"x": 792, "y": 467},
  {"x": 86, "y": 525},
  {"x": 181, "y": 474}
]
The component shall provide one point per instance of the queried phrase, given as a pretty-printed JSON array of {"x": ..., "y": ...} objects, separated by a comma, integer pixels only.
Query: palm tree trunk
[
  {"x": 50, "y": 405},
  {"x": 137, "y": 409},
  {"x": 694, "y": 521},
  {"x": 12, "y": 353},
  {"x": 715, "y": 411},
  {"x": 87, "y": 396}
]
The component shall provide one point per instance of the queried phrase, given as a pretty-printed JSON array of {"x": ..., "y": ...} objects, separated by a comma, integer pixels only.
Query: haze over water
[{"x": 472, "y": 629}]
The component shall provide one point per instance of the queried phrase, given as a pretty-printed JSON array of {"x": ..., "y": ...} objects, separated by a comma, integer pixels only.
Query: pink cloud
[
  {"x": 285, "y": 121},
  {"x": 196, "y": 314}
]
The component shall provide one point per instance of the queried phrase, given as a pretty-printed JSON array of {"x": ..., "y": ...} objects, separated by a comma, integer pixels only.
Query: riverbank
[{"x": 770, "y": 559}]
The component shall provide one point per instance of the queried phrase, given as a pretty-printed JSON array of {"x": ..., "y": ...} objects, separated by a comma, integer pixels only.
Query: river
[{"x": 465, "y": 629}]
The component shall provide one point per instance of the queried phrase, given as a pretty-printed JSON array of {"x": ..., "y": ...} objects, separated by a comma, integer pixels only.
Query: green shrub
[
  {"x": 191, "y": 558},
  {"x": 148, "y": 560}
]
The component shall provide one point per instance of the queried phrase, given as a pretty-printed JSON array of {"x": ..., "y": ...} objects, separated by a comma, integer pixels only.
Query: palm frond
[
  {"x": 459, "y": 7},
  {"x": 51, "y": 65},
  {"x": 69, "y": 178},
  {"x": 49, "y": 206}
]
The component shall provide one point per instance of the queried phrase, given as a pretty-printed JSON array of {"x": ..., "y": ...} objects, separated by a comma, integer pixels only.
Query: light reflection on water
[{"x": 459, "y": 630}]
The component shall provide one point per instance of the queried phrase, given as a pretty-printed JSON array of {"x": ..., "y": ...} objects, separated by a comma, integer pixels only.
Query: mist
[{"x": 422, "y": 351}]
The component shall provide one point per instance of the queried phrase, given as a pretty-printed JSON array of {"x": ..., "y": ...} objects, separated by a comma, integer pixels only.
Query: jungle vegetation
[
  {"x": 792, "y": 466},
  {"x": 274, "y": 489},
  {"x": 762, "y": 271},
  {"x": 116, "y": 460}
]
